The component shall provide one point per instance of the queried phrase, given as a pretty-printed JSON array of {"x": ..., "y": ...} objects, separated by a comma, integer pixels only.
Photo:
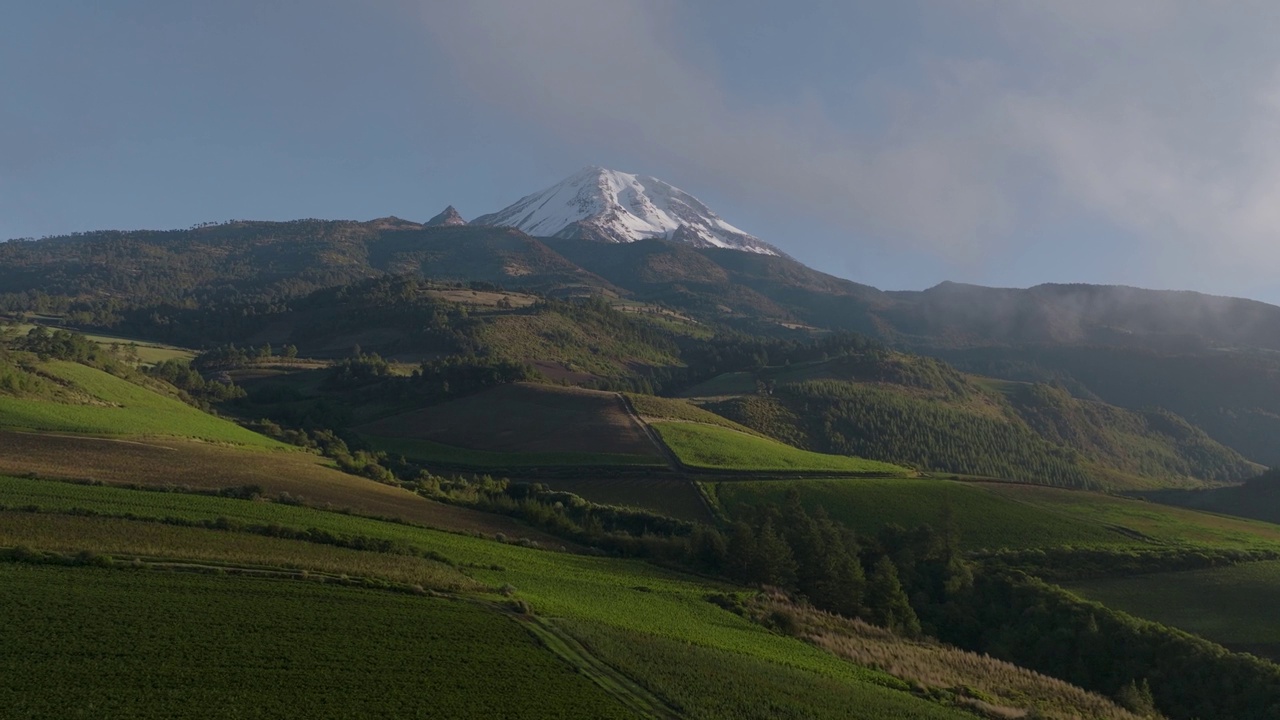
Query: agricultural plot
[
  {"x": 113, "y": 537},
  {"x": 120, "y": 408},
  {"x": 1234, "y": 606},
  {"x": 1145, "y": 522},
  {"x": 524, "y": 420},
  {"x": 991, "y": 516},
  {"x": 59, "y": 497},
  {"x": 631, "y": 597},
  {"x": 301, "y": 476},
  {"x": 660, "y": 408},
  {"x": 118, "y": 643},
  {"x": 718, "y": 448},
  {"x": 984, "y": 520},
  {"x": 433, "y": 452},
  {"x": 711, "y": 683},
  {"x": 672, "y": 497},
  {"x": 148, "y": 353}
]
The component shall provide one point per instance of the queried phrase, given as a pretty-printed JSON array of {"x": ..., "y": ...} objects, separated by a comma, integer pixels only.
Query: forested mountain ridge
[
  {"x": 251, "y": 260},
  {"x": 921, "y": 412},
  {"x": 1205, "y": 358}
]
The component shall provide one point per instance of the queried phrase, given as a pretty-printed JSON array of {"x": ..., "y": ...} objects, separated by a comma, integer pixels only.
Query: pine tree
[
  {"x": 741, "y": 558},
  {"x": 887, "y": 604},
  {"x": 708, "y": 549},
  {"x": 775, "y": 565}
]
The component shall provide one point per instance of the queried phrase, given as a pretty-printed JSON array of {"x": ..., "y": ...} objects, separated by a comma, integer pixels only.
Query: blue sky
[{"x": 894, "y": 143}]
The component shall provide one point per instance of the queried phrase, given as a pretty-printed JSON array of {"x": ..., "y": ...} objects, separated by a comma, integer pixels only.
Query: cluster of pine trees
[{"x": 881, "y": 579}]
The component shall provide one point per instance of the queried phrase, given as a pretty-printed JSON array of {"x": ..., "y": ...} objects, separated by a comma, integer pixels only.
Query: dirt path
[
  {"x": 627, "y": 691},
  {"x": 667, "y": 455}
]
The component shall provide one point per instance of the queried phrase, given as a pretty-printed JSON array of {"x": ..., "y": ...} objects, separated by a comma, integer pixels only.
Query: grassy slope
[
  {"x": 1234, "y": 606},
  {"x": 946, "y": 411},
  {"x": 119, "y": 408},
  {"x": 188, "y": 464},
  {"x": 149, "y": 353},
  {"x": 712, "y": 447},
  {"x": 146, "y": 645},
  {"x": 625, "y": 599},
  {"x": 998, "y": 516},
  {"x": 661, "y": 408}
]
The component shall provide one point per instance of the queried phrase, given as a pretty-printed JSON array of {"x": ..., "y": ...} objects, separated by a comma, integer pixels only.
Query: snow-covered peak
[{"x": 614, "y": 206}]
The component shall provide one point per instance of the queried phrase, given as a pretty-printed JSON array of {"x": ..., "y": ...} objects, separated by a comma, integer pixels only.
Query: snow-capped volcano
[{"x": 614, "y": 206}]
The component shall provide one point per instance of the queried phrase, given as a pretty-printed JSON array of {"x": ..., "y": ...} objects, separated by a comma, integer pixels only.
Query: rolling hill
[{"x": 920, "y": 412}]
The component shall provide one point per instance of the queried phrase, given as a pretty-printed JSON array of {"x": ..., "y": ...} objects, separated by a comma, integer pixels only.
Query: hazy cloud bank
[{"x": 1158, "y": 118}]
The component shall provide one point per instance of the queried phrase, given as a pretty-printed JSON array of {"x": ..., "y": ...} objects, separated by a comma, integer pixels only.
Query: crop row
[{"x": 151, "y": 645}]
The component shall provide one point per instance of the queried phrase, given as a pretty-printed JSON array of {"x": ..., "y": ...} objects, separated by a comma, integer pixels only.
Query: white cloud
[
  {"x": 614, "y": 74},
  {"x": 1158, "y": 117}
]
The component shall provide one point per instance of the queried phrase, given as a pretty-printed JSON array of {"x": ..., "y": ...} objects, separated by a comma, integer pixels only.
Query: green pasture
[
  {"x": 991, "y": 516},
  {"x": 118, "y": 407},
  {"x": 719, "y": 448}
]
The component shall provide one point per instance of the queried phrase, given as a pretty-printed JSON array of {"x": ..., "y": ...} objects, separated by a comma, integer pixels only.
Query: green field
[
  {"x": 149, "y": 353},
  {"x": 1145, "y": 522},
  {"x": 984, "y": 520},
  {"x": 1234, "y": 606},
  {"x": 201, "y": 466},
  {"x": 626, "y": 599},
  {"x": 660, "y": 408},
  {"x": 991, "y": 516},
  {"x": 144, "y": 644},
  {"x": 718, "y": 448},
  {"x": 674, "y": 497},
  {"x": 432, "y": 452},
  {"x": 120, "y": 408}
]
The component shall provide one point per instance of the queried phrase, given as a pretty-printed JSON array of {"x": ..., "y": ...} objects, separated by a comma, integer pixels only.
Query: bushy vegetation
[
  {"x": 1026, "y": 621},
  {"x": 1233, "y": 604},
  {"x": 988, "y": 686},
  {"x": 873, "y": 422}
]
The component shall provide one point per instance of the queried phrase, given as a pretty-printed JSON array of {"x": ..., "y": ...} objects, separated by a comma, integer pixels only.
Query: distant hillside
[
  {"x": 1072, "y": 314},
  {"x": 1234, "y": 397},
  {"x": 1210, "y": 360},
  {"x": 920, "y": 412}
]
